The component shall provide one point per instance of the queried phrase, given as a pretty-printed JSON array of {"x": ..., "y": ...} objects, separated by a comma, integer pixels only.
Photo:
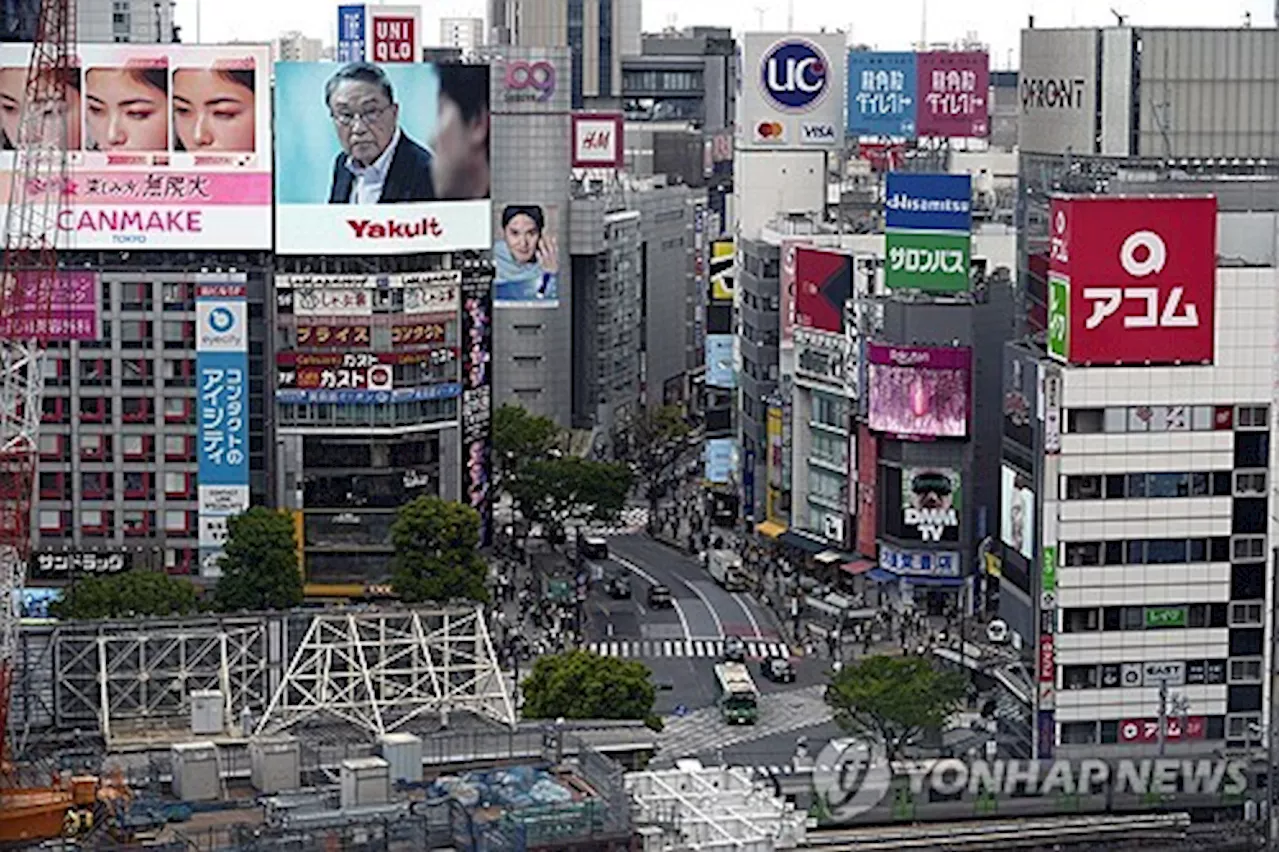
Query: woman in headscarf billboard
[{"x": 526, "y": 258}]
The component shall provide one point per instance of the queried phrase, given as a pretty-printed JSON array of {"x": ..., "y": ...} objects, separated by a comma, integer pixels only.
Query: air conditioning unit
[{"x": 833, "y": 528}]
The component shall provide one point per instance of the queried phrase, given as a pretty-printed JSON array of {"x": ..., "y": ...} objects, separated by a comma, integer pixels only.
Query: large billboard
[
  {"x": 918, "y": 392},
  {"x": 597, "y": 140},
  {"x": 1017, "y": 512},
  {"x": 1057, "y": 91},
  {"x": 824, "y": 282},
  {"x": 792, "y": 91},
  {"x": 952, "y": 94},
  {"x": 381, "y": 159},
  {"x": 169, "y": 144},
  {"x": 222, "y": 394},
  {"x": 926, "y": 261},
  {"x": 477, "y": 394},
  {"x": 721, "y": 271},
  {"x": 928, "y": 202},
  {"x": 882, "y": 94},
  {"x": 526, "y": 257},
  {"x": 1132, "y": 279},
  {"x": 66, "y": 310},
  {"x": 394, "y": 33},
  {"x": 931, "y": 501}
]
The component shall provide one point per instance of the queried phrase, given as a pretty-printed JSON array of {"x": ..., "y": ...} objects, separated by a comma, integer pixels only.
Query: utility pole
[{"x": 1179, "y": 706}]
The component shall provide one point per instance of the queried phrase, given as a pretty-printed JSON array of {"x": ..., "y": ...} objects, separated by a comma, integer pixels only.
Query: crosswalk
[
  {"x": 650, "y": 648},
  {"x": 632, "y": 520}
]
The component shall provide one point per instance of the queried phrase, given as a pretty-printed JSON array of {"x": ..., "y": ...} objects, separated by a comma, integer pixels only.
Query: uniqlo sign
[
  {"x": 393, "y": 37},
  {"x": 1132, "y": 279}
]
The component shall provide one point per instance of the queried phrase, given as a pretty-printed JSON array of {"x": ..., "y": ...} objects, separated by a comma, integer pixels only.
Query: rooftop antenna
[
  {"x": 924, "y": 24},
  {"x": 1120, "y": 19},
  {"x": 791, "y": 16},
  {"x": 759, "y": 17}
]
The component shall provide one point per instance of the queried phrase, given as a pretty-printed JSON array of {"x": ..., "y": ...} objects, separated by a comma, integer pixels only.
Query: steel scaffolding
[{"x": 379, "y": 670}]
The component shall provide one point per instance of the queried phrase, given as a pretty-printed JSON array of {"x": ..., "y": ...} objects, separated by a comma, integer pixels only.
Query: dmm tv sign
[{"x": 1132, "y": 279}]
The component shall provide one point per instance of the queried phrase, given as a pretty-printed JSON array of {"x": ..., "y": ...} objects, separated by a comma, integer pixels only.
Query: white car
[{"x": 998, "y": 632}]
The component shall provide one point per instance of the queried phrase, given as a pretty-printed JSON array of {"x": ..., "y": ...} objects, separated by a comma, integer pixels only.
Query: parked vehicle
[{"x": 660, "y": 597}]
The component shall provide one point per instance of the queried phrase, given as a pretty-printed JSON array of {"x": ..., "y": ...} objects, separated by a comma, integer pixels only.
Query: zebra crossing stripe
[{"x": 693, "y": 648}]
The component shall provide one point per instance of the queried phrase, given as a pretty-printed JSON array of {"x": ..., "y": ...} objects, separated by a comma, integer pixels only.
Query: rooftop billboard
[
  {"x": 169, "y": 145},
  {"x": 792, "y": 91}
]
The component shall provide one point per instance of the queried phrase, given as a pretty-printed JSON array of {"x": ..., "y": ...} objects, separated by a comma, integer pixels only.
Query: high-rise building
[
  {"x": 293, "y": 46},
  {"x": 597, "y": 32},
  {"x": 18, "y": 20},
  {"x": 462, "y": 33},
  {"x": 130, "y": 21}
]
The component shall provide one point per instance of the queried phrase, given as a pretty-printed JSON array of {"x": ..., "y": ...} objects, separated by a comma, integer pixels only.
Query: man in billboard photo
[
  {"x": 460, "y": 150},
  {"x": 127, "y": 108},
  {"x": 930, "y": 489},
  {"x": 526, "y": 260},
  {"x": 379, "y": 164},
  {"x": 214, "y": 109},
  {"x": 13, "y": 92}
]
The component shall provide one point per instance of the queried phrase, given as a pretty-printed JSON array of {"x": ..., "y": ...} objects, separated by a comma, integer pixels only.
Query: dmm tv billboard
[
  {"x": 824, "y": 282},
  {"x": 918, "y": 391},
  {"x": 381, "y": 159},
  {"x": 791, "y": 91},
  {"x": 1132, "y": 279},
  {"x": 169, "y": 145}
]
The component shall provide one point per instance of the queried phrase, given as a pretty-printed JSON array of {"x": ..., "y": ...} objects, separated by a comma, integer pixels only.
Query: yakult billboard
[
  {"x": 169, "y": 145},
  {"x": 1132, "y": 280},
  {"x": 381, "y": 159}
]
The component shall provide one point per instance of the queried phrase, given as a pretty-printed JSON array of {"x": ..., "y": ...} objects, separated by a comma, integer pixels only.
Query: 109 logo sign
[{"x": 794, "y": 75}]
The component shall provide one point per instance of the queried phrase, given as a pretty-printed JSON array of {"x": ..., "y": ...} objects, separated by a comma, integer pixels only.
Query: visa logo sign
[
  {"x": 793, "y": 75},
  {"x": 817, "y": 134}
]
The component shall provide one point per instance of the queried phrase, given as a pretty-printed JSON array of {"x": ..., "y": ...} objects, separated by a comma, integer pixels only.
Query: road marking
[
  {"x": 675, "y": 604},
  {"x": 714, "y": 615},
  {"x": 755, "y": 625}
]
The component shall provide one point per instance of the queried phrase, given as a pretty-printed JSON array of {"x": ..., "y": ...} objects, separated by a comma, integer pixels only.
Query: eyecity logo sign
[
  {"x": 851, "y": 777},
  {"x": 794, "y": 75},
  {"x": 1132, "y": 280}
]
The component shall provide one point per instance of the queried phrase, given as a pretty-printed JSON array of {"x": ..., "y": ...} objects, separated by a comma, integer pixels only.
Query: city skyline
[{"x": 997, "y": 25}]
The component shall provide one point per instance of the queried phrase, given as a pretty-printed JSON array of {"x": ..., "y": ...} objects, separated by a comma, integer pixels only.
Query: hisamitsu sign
[{"x": 928, "y": 202}]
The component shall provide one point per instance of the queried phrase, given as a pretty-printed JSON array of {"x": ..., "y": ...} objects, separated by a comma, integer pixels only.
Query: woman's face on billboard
[
  {"x": 522, "y": 237},
  {"x": 211, "y": 111},
  {"x": 13, "y": 85},
  {"x": 126, "y": 111}
]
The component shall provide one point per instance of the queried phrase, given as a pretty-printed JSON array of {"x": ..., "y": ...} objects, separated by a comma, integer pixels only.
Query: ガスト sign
[{"x": 1132, "y": 280}]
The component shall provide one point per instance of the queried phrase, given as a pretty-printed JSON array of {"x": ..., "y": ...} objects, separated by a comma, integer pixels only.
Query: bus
[{"x": 738, "y": 694}]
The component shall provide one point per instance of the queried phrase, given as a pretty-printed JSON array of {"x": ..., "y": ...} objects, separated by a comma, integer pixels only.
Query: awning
[
  {"x": 857, "y": 566},
  {"x": 826, "y": 557},
  {"x": 769, "y": 529},
  {"x": 880, "y": 575},
  {"x": 794, "y": 539}
]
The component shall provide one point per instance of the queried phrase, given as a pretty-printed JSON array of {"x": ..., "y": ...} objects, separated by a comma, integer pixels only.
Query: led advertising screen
[
  {"x": 1017, "y": 512},
  {"x": 918, "y": 392},
  {"x": 824, "y": 282},
  {"x": 381, "y": 159},
  {"x": 952, "y": 90},
  {"x": 169, "y": 145},
  {"x": 931, "y": 501},
  {"x": 719, "y": 361},
  {"x": 477, "y": 394},
  {"x": 722, "y": 271},
  {"x": 791, "y": 93},
  {"x": 526, "y": 257},
  {"x": 1132, "y": 280},
  {"x": 67, "y": 310},
  {"x": 718, "y": 456},
  {"x": 882, "y": 94}
]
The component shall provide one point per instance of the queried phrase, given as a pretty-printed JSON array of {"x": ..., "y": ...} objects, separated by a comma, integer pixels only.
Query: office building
[
  {"x": 465, "y": 34},
  {"x": 685, "y": 76},
  {"x": 131, "y": 21},
  {"x": 295, "y": 47}
]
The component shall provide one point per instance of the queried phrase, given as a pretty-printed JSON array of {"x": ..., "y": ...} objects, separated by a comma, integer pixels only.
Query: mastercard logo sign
[{"x": 770, "y": 131}]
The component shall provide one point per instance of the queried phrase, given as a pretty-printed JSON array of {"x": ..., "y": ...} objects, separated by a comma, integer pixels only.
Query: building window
[
  {"x": 95, "y": 447},
  {"x": 177, "y": 484},
  {"x": 1251, "y": 483},
  {"x": 135, "y": 296},
  {"x": 1086, "y": 487},
  {"x": 177, "y": 448},
  {"x": 1079, "y": 733},
  {"x": 178, "y": 334},
  {"x": 54, "y": 521},
  {"x": 1080, "y": 620},
  {"x": 1247, "y": 548},
  {"x": 1246, "y": 614},
  {"x": 1245, "y": 671},
  {"x": 1084, "y": 420},
  {"x": 135, "y": 372},
  {"x": 1079, "y": 677},
  {"x": 175, "y": 521},
  {"x": 177, "y": 296},
  {"x": 1251, "y": 417}
]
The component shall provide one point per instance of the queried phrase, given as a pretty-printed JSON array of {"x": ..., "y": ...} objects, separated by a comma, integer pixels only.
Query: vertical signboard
[
  {"x": 1132, "y": 280},
  {"x": 722, "y": 271},
  {"x": 350, "y": 34},
  {"x": 788, "y": 249},
  {"x": 791, "y": 91},
  {"x": 773, "y": 466},
  {"x": 597, "y": 140},
  {"x": 222, "y": 388},
  {"x": 952, "y": 94},
  {"x": 1057, "y": 91},
  {"x": 477, "y": 396},
  {"x": 868, "y": 462},
  {"x": 394, "y": 33},
  {"x": 882, "y": 94}
]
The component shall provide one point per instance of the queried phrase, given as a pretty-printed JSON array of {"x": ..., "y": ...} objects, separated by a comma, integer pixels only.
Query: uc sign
[{"x": 794, "y": 75}]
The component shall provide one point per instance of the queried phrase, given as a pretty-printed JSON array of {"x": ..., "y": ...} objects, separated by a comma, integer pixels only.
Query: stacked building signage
[
  {"x": 928, "y": 220},
  {"x": 477, "y": 392},
  {"x": 720, "y": 452}
]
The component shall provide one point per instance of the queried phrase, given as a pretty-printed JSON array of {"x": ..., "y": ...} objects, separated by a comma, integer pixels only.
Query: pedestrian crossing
[
  {"x": 633, "y": 519},
  {"x": 650, "y": 648}
]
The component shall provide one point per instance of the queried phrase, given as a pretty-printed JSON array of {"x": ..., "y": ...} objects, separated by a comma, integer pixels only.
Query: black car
[
  {"x": 618, "y": 588},
  {"x": 660, "y": 597},
  {"x": 778, "y": 670},
  {"x": 735, "y": 650}
]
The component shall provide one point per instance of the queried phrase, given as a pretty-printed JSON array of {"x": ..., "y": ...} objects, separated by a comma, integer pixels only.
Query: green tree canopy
[
  {"x": 655, "y": 442},
  {"x": 436, "y": 560},
  {"x": 892, "y": 700},
  {"x": 126, "y": 595},
  {"x": 583, "y": 685},
  {"x": 259, "y": 563},
  {"x": 518, "y": 438},
  {"x": 554, "y": 492}
]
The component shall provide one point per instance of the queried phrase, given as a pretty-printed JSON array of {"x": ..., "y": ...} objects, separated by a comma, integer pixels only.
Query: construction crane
[{"x": 28, "y": 282}]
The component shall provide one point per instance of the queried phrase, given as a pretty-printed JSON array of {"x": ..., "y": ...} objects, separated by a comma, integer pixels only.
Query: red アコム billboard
[{"x": 1132, "y": 279}]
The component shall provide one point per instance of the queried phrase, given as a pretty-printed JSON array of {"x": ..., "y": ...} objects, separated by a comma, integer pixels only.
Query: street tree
[
  {"x": 893, "y": 700},
  {"x": 436, "y": 557},
  {"x": 129, "y": 594},
  {"x": 583, "y": 685},
  {"x": 519, "y": 438},
  {"x": 259, "y": 563},
  {"x": 557, "y": 492},
  {"x": 655, "y": 443}
]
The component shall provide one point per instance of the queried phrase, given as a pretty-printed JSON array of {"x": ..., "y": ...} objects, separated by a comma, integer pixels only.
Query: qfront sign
[
  {"x": 791, "y": 93},
  {"x": 1132, "y": 280}
]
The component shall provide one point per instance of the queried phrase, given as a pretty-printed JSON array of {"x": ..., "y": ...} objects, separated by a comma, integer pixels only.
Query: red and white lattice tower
[{"x": 27, "y": 284}]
